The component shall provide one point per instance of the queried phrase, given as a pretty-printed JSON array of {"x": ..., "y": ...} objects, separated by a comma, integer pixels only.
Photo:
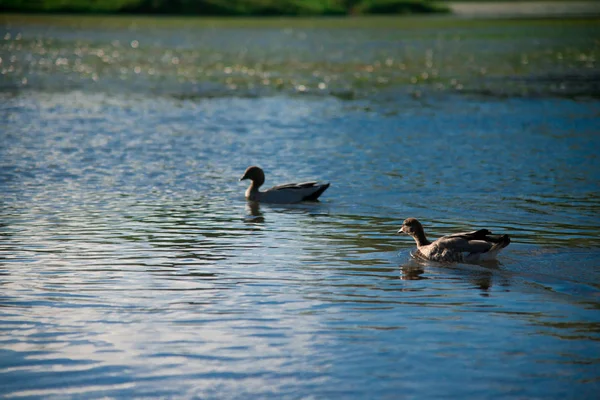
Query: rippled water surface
[{"x": 131, "y": 266}]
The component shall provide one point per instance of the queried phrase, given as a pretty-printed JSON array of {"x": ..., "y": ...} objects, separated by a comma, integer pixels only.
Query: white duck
[
  {"x": 472, "y": 246},
  {"x": 281, "y": 194}
]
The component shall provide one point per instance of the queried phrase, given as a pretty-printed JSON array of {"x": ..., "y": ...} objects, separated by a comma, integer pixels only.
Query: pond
[{"x": 131, "y": 265}]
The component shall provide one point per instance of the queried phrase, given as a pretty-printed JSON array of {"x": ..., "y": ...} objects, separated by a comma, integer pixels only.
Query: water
[{"x": 131, "y": 265}]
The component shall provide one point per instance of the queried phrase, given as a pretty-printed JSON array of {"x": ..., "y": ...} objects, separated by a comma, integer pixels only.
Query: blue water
[{"x": 131, "y": 266}]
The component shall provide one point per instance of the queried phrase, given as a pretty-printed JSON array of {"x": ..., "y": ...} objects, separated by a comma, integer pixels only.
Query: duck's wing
[
  {"x": 480, "y": 241},
  {"x": 294, "y": 192},
  {"x": 462, "y": 245},
  {"x": 293, "y": 186},
  {"x": 480, "y": 234}
]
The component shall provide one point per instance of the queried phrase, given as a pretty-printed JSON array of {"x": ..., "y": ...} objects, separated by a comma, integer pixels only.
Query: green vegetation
[{"x": 226, "y": 7}]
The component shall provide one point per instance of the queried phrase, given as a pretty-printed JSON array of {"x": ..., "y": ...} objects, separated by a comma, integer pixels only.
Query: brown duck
[{"x": 472, "y": 246}]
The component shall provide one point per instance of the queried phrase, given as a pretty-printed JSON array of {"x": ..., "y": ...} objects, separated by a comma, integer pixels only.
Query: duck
[
  {"x": 469, "y": 247},
  {"x": 281, "y": 194}
]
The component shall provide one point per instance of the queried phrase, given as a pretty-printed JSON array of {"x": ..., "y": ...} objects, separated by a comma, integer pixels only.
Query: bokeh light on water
[{"x": 327, "y": 57}]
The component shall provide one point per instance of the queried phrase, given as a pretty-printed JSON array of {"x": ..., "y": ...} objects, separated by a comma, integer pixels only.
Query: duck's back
[
  {"x": 293, "y": 192},
  {"x": 467, "y": 246}
]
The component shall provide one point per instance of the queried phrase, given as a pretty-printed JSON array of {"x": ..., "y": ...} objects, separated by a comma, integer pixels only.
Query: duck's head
[
  {"x": 412, "y": 227},
  {"x": 255, "y": 174}
]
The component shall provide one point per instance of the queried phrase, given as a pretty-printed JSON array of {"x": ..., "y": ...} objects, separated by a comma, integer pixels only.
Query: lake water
[{"x": 131, "y": 266}]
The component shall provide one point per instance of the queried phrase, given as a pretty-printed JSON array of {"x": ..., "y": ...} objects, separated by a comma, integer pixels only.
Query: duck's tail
[
  {"x": 500, "y": 242},
  {"x": 315, "y": 195}
]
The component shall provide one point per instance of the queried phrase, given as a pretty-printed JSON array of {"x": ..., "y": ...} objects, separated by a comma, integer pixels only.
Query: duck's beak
[
  {"x": 243, "y": 177},
  {"x": 401, "y": 230}
]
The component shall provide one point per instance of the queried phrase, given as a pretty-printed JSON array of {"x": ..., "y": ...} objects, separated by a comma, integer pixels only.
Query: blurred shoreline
[
  {"x": 524, "y": 9},
  {"x": 317, "y": 9},
  {"x": 229, "y": 8}
]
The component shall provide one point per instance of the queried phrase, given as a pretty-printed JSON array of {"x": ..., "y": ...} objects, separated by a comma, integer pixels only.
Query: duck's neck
[
  {"x": 254, "y": 185},
  {"x": 421, "y": 239},
  {"x": 252, "y": 192}
]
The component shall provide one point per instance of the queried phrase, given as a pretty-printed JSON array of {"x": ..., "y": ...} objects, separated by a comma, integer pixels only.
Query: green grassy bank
[{"x": 225, "y": 7}]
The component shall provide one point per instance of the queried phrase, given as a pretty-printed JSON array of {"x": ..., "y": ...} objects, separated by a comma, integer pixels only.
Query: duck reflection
[
  {"x": 480, "y": 275},
  {"x": 254, "y": 213},
  {"x": 483, "y": 276},
  {"x": 412, "y": 273}
]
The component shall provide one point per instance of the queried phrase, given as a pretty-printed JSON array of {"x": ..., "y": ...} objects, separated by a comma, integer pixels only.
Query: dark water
[{"x": 131, "y": 266}]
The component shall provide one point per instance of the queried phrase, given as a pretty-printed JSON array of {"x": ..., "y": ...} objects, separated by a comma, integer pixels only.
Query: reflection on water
[
  {"x": 131, "y": 265},
  {"x": 253, "y": 208},
  {"x": 412, "y": 272}
]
